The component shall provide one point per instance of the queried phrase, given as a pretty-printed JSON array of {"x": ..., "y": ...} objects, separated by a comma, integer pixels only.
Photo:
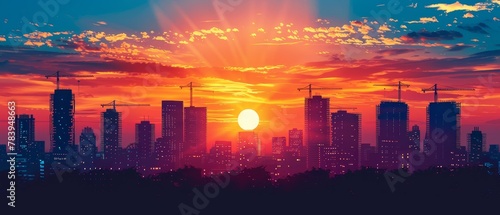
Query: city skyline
[{"x": 259, "y": 57}]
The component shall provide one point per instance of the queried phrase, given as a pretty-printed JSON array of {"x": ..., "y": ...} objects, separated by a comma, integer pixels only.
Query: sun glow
[{"x": 248, "y": 119}]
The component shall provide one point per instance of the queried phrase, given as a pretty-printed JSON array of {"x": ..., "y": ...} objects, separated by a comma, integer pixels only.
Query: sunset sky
[{"x": 259, "y": 51}]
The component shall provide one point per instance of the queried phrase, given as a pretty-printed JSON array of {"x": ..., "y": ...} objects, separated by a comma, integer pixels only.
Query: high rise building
[
  {"x": 477, "y": 144},
  {"x": 172, "y": 127},
  {"x": 414, "y": 136},
  {"x": 346, "y": 137},
  {"x": 62, "y": 123},
  {"x": 249, "y": 148},
  {"x": 442, "y": 135},
  {"x": 195, "y": 135},
  {"x": 317, "y": 128},
  {"x": 111, "y": 136},
  {"x": 278, "y": 146},
  {"x": 368, "y": 155},
  {"x": 296, "y": 142},
  {"x": 25, "y": 138},
  {"x": 161, "y": 155},
  {"x": 144, "y": 139},
  {"x": 88, "y": 147},
  {"x": 38, "y": 159},
  {"x": 220, "y": 156},
  {"x": 392, "y": 133}
]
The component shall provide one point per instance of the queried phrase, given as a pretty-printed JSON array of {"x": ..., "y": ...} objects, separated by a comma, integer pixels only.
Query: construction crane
[
  {"x": 436, "y": 89},
  {"x": 191, "y": 86},
  {"x": 114, "y": 104},
  {"x": 399, "y": 85},
  {"x": 58, "y": 75},
  {"x": 310, "y": 88}
]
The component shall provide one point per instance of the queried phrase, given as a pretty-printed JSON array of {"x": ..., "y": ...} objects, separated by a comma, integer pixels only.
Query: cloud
[
  {"x": 423, "y": 36},
  {"x": 115, "y": 37},
  {"x": 496, "y": 1},
  {"x": 496, "y": 19},
  {"x": 459, "y": 47},
  {"x": 448, "y": 8},
  {"x": 2, "y": 39},
  {"x": 100, "y": 23},
  {"x": 387, "y": 52},
  {"x": 424, "y": 20},
  {"x": 479, "y": 28},
  {"x": 468, "y": 15},
  {"x": 383, "y": 28}
]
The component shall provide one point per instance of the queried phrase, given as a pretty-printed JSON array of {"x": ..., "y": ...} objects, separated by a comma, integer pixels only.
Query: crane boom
[
  {"x": 58, "y": 75},
  {"x": 399, "y": 85},
  {"x": 191, "y": 86},
  {"x": 114, "y": 104},
  {"x": 310, "y": 88},
  {"x": 436, "y": 89}
]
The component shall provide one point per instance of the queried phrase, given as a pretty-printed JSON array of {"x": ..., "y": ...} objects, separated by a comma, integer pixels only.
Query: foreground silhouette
[{"x": 250, "y": 191}]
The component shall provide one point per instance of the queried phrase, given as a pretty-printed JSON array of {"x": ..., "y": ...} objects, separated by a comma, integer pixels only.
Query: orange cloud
[
  {"x": 458, "y": 6},
  {"x": 468, "y": 15},
  {"x": 424, "y": 20},
  {"x": 116, "y": 37}
]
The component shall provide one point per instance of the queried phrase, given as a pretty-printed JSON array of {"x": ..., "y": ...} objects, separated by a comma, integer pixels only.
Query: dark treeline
[{"x": 250, "y": 191}]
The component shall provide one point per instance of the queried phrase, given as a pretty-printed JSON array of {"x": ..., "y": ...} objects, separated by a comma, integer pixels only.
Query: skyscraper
[
  {"x": 172, "y": 126},
  {"x": 249, "y": 147},
  {"x": 144, "y": 138},
  {"x": 278, "y": 146},
  {"x": 346, "y": 136},
  {"x": 88, "y": 147},
  {"x": 62, "y": 123},
  {"x": 296, "y": 142},
  {"x": 443, "y": 132},
  {"x": 111, "y": 136},
  {"x": 317, "y": 128},
  {"x": 368, "y": 155},
  {"x": 195, "y": 130},
  {"x": 392, "y": 133},
  {"x": 25, "y": 139},
  {"x": 161, "y": 154},
  {"x": 414, "y": 136},
  {"x": 220, "y": 156},
  {"x": 477, "y": 144}
]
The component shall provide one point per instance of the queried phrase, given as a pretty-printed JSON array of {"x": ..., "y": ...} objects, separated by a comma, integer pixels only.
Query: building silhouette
[
  {"x": 62, "y": 123},
  {"x": 111, "y": 137},
  {"x": 476, "y": 142},
  {"x": 25, "y": 137},
  {"x": 296, "y": 142},
  {"x": 317, "y": 128},
  {"x": 144, "y": 140},
  {"x": 458, "y": 158},
  {"x": 346, "y": 137},
  {"x": 162, "y": 158},
  {"x": 88, "y": 148},
  {"x": 195, "y": 135},
  {"x": 249, "y": 148},
  {"x": 414, "y": 136},
  {"x": 442, "y": 135},
  {"x": 220, "y": 156},
  {"x": 392, "y": 133},
  {"x": 368, "y": 155},
  {"x": 278, "y": 146},
  {"x": 172, "y": 129}
]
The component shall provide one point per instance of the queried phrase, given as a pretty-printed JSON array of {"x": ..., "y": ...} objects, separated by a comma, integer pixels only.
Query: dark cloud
[
  {"x": 459, "y": 48},
  {"x": 395, "y": 51},
  {"x": 479, "y": 28},
  {"x": 423, "y": 35}
]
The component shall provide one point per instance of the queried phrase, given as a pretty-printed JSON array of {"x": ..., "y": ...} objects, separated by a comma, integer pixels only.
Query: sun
[{"x": 248, "y": 119}]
